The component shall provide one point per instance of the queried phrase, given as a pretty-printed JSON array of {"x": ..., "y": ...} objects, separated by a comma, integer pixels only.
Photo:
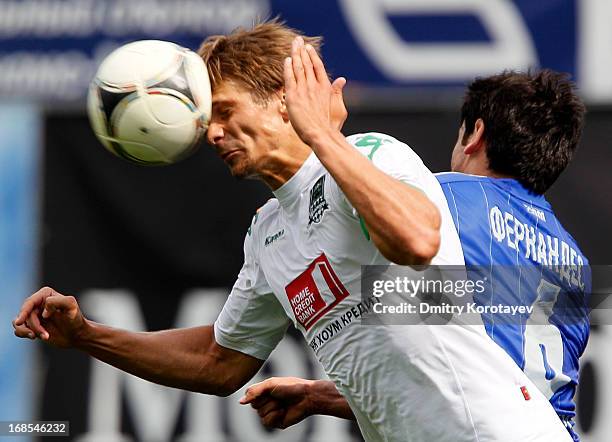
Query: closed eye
[{"x": 222, "y": 109}]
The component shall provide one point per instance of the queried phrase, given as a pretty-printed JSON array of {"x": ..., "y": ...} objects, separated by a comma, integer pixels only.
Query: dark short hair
[{"x": 533, "y": 122}]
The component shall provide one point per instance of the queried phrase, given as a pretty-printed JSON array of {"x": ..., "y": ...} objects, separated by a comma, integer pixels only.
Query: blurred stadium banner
[
  {"x": 19, "y": 199},
  {"x": 387, "y": 48}
]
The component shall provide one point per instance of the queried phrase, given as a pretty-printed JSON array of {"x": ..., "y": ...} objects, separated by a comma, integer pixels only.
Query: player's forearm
[
  {"x": 403, "y": 223},
  {"x": 326, "y": 400},
  {"x": 175, "y": 358}
]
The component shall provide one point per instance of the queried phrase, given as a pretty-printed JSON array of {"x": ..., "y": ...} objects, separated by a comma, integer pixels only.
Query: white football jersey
[{"x": 303, "y": 257}]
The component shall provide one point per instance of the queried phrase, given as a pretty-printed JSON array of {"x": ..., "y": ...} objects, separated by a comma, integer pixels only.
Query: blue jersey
[{"x": 529, "y": 259}]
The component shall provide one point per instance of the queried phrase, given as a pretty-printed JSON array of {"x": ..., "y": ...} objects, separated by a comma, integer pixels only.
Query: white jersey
[{"x": 303, "y": 257}]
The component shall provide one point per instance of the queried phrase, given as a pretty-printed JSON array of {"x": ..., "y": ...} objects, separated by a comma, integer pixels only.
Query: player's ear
[
  {"x": 475, "y": 140},
  {"x": 283, "y": 106}
]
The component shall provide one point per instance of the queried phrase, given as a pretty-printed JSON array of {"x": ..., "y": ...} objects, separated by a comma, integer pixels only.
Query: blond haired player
[{"x": 303, "y": 257}]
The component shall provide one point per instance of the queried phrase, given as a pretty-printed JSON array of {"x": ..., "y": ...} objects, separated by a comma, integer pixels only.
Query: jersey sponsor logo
[
  {"x": 541, "y": 248},
  {"x": 318, "y": 204},
  {"x": 270, "y": 239},
  {"x": 316, "y": 291}
]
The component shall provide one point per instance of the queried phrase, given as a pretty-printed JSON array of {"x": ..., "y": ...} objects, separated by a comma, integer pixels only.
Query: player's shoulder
[
  {"x": 494, "y": 188},
  {"x": 369, "y": 138},
  {"x": 262, "y": 216},
  {"x": 378, "y": 146},
  {"x": 458, "y": 177}
]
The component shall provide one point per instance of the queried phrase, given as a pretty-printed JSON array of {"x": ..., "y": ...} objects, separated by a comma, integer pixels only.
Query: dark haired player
[{"x": 518, "y": 133}]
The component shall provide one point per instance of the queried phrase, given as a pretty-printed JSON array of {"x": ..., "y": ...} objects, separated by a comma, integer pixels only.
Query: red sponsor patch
[
  {"x": 315, "y": 292},
  {"x": 525, "y": 392}
]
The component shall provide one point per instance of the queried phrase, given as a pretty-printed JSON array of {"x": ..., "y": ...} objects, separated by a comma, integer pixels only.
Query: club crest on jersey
[{"x": 318, "y": 205}]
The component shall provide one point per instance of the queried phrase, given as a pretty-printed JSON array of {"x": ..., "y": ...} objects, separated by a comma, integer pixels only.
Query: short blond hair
[{"x": 253, "y": 57}]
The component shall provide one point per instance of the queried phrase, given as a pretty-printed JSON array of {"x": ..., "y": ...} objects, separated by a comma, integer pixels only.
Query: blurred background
[{"x": 152, "y": 248}]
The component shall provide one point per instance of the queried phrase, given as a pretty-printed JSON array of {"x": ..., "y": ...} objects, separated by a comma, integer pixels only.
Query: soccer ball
[{"x": 150, "y": 102}]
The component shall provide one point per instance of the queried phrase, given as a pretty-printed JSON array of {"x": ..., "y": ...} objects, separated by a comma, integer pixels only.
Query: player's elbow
[
  {"x": 418, "y": 245},
  {"x": 227, "y": 390},
  {"x": 427, "y": 247},
  {"x": 222, "y": 385},
  {"x": 232, "y": 384},
  {"x": 417, "y": 251},
  {"x": 217, "y": 390},
  {"x": 217, "y": 376},
  {"x": 433, "y": 237},
  {"x": 412, "y": 250},
  {"x": 428, "y": 242}
]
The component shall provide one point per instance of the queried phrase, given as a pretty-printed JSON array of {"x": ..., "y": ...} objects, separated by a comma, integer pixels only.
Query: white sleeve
[
  {"x": 252, "y": 320},
  {"x": 393, "y": 157}
]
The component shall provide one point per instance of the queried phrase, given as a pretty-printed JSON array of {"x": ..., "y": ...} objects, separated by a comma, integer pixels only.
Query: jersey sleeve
[
  {"x": 393, "y": 157},
  {"x": 252, "y": 320}
]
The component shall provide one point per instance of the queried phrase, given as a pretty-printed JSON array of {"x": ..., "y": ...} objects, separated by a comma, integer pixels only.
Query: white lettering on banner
[
  {"x": 64, "y": 75},
  {"x": 542, "y": 249},
  {"x": 79, "y": 18},
  {"x": 155, "y": 409},
  {"x": 511, "y": 45}
]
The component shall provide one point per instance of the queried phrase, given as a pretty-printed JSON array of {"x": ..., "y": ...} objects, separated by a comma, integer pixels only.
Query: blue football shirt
[{"x": 512, "y": 239}]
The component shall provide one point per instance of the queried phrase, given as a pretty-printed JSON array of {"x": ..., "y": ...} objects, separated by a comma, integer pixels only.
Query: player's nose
[{"x": 214, "y": 134}]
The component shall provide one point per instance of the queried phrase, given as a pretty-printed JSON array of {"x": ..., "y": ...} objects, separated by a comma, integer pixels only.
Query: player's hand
[
  {"x": 280, "y": 402},
  {"x": 309, "y": 93},
  {"x": 50, "y": 316}
]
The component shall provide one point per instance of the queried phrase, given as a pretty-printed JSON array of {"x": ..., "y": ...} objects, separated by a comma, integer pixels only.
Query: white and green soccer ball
[{"x": 150, "y": 102}]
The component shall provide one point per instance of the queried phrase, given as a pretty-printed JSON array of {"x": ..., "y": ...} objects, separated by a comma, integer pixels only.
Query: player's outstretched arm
[
  {"x": 282, "y": 402},
  {"x": 403, "y": 223},
  {"x": 182, "y": 358}
]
